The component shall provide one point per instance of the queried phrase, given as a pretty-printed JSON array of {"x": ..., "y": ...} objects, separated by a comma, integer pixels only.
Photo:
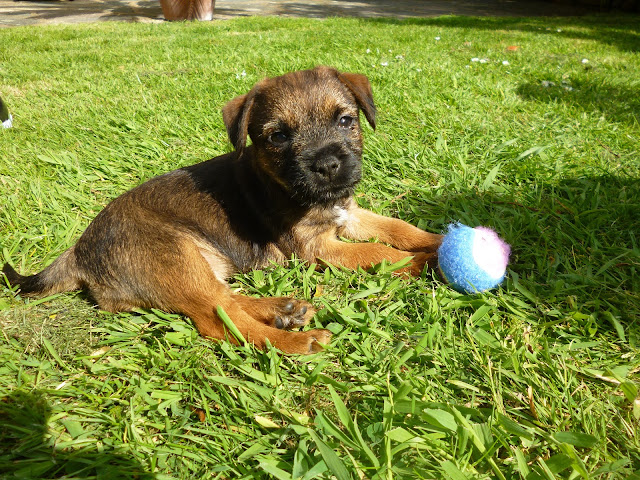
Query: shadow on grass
[
  {"x": 26, "y": 452},
  {"x": 422, "y": 8},
  {"x": 618, "y": 102},
  {"x": 622, "y": 32},
  {"x": 44, "y": 10},
  {"x": 122, "y": 10}
]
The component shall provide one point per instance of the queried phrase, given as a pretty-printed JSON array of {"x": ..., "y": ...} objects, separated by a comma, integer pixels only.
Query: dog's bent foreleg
[
  {"x": 353, "y": 255},
  {"x": 361, "y": 224}
]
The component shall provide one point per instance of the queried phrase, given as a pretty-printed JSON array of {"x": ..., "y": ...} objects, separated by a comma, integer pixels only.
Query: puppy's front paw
[
  {"x": 293, "y": 313},
  {"x": 418, "y": 263}
]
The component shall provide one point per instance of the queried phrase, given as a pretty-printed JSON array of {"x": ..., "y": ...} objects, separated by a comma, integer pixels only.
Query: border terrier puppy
[{"x": 172, "y": 242}]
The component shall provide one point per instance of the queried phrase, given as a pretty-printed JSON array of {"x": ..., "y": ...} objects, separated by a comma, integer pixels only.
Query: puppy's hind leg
[
  {"x": 192, "y": 288},
  {"x": 254, "y": 331},
  {"x": 201, "y": 306},
  {"x": 279, "y": 312}
]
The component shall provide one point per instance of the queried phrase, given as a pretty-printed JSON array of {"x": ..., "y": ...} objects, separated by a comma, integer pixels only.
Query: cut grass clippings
[{"x": 526, "y": 125}]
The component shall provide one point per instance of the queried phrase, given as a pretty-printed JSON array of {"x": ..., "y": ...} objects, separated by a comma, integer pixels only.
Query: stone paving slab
[{"x": 42, "y": 12}]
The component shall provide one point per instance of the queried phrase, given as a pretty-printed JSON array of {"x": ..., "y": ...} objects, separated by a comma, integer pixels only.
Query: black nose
[{"x": 326, "y": 167}]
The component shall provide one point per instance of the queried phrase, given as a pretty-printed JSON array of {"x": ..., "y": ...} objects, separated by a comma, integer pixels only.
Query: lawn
[{"x": 529, "y": 126}]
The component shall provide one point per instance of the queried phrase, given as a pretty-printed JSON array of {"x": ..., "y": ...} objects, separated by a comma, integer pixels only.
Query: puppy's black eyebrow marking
[
  {"x": 276, "y": 126},
  {"x": 344, "y": 109}
]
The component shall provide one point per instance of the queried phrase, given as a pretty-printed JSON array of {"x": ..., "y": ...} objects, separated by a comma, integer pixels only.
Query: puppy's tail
[{"x": 61, "y": 276}]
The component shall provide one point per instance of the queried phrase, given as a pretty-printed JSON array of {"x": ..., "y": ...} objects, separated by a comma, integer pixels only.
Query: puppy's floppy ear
[
  {"x": 235, "y": 115},
  {"x": 361, "y": 89}
]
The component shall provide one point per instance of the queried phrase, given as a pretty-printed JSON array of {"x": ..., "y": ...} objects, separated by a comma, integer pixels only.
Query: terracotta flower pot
[{"x": 188, "y": 9}]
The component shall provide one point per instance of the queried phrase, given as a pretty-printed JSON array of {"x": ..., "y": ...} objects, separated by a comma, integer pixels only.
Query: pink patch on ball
[{"x": 490, "y": 252}]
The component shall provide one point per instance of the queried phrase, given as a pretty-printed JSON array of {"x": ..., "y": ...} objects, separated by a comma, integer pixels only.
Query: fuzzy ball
[{"x": 473, "y": 259}]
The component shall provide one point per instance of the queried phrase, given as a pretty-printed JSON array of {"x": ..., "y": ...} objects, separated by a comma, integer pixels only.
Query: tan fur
[{"x": 172, "y": 242}]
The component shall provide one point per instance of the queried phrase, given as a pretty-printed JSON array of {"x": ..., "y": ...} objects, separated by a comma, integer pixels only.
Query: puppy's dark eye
[
  {"x": 345, "y": 121},
  {"x": 278, "y": 139}
]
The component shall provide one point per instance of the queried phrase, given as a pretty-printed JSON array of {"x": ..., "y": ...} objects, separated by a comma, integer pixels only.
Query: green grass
[{"x": 538, "y": 379}]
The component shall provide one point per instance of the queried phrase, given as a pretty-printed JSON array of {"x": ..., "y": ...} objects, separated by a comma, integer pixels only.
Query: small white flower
[
  {"x": 568, "y": 88},
  {"x": 584, "y": 60},
  {"x": 475, "y": 59},
  {"x": 505, "y": 62},
  {"x": 437, "y": 39},
  {"x": 384, "y": 64},
  {"x": 241, "y": 75},
  {"x": 559, "y": 30},
  {"x": 484, "y": 60},
  {"x": 399, "y": 57},
  {"x": 368, "y": 50},
  {"x": 547, "y": 84}
]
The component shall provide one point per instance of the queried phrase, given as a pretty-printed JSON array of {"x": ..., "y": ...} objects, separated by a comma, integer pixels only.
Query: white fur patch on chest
[{"x": 342, "y": 217}]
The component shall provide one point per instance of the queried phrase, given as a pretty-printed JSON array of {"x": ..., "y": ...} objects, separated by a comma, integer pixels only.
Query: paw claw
[{"x": 319, "y": 340}]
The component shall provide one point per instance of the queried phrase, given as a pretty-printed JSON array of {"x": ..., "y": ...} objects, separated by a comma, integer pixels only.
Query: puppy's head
[{"x": 305, "y": 129}]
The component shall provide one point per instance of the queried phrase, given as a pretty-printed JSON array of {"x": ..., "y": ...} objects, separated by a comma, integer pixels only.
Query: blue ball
[{"x": 473, "y": 259}]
